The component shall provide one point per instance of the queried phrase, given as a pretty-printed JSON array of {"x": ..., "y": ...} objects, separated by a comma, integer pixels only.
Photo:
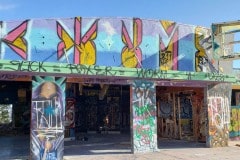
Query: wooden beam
[
  {"x": 174, "y": 115},
  {"x": 179, "y": 119}
]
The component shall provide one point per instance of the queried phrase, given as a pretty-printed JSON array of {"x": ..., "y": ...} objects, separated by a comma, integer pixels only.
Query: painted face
[{"x": 48, "y": 89}]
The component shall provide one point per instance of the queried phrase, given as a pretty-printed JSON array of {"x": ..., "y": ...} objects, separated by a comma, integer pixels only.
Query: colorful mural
[
  {"x": 169, "y": 49},
  {"x": 234, "y": 127},
  {"x": 144, "y": 122},
  {"x": 203, "y": 57},
  {"x": 131, "y": 43},
  {"x": 70, "y": 113},
  {"x": 47, "y": 118},
  {"x": 69, "y": 122},
  {"x": 131, "y": 53},
  {"x": 144, "y": 49},
  {"x": 84, "y": 46},
  {"x": 15, "y": 39},
  {"x": 219, "y": 99}
]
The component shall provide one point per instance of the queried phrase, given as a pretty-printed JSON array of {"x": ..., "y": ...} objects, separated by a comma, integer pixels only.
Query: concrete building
[{"x": 150, "y": 79}]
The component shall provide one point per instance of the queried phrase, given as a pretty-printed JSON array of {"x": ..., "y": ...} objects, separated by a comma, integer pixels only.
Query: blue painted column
[
  {"x": 47, "y": 118},
  {"x": 143, "y": 116}
]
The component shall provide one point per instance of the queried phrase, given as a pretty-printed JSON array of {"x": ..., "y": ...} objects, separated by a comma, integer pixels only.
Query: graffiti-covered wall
[
  {"x": 144, "y": 123},
  {"x": 47, "y": 118},
  {"x": 219, "y": 99},
  {"x": 234, "y": 127},
  {"x": 131, "y": 43}
]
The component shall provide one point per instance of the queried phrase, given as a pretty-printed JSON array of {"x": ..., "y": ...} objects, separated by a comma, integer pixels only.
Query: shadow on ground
[
  {"x": 166, "y": 143},
  {"x": 15, "y": 147},
  {"x": 18, "y": 147},
  {"x": 98, "y": 144}
]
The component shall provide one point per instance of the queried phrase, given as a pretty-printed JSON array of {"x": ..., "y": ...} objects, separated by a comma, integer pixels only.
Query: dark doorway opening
[
  {"x": 101, "y": 118},
  {"x": 15, "y": 117}
]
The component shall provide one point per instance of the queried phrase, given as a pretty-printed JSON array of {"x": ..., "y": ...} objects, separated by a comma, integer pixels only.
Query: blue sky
[{"x": 195, "y": 12}]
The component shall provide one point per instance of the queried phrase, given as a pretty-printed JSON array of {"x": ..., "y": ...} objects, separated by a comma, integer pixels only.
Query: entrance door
[
  {"x": 167, "y": 124},
  {"x": 181, "y": 113},
  {"x": 175, "y": 115},
  {"x": 184, "y": 115}
]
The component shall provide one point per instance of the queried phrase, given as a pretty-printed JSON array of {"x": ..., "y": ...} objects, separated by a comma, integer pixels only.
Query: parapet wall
[{"x": 131, "y": 43}]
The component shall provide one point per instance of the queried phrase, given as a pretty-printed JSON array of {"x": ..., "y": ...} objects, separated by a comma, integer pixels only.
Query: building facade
[{"x": 169, "y": 69}]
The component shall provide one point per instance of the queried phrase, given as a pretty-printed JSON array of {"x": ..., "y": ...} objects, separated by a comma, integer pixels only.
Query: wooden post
[
  {"x": 174, "y": 115},
  {"x": 179, "y": 119},
  {"x": 195, "y": 116}
]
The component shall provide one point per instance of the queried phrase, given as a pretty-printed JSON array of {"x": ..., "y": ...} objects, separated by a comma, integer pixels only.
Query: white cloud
[{"x": 7, "y": 6}]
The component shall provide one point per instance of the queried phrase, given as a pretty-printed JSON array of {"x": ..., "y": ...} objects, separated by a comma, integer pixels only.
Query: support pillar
[
  {"x": 47, "y": 118},
  {"x": 219, "y": 101},
  {"x": 143, "y": 116}
]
